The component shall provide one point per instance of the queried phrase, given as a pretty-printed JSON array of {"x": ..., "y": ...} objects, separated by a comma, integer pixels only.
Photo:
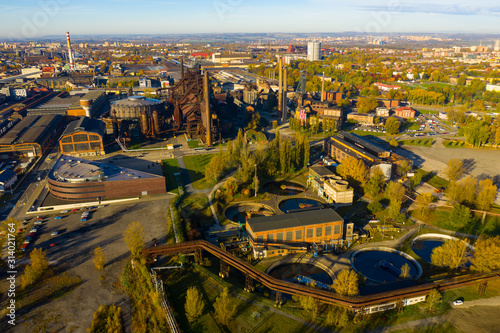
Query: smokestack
[
  {"x": 70, "y": 54},
  {"x": 323, "y": 87},
  {"x": 285, "y": 90},
  {"x": 182, "y": 68},
  {"x": 207, "y": 110},
  {"x": 280, "y": 85}
]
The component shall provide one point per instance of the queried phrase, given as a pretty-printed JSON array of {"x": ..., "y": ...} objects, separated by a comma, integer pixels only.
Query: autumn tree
[
  {"x": 194, "y": 304},
  {"x": 454, "y": 169},
  {"x": 392, "y": 126},
  {"x": 433, "y": 300},
  {"x": 134, "y": 237},
  {"x": 346, "y": 283},
  {"x": 415, "y": 180},
  {"x": 99, "y": 259},
  {"x": 486, "y": 254},
  {"x": 38, "y": 265},
  {"x": 353, "y": 170},
  {"x": 404, "y": 167},
  {"x": 423, "y": 203},
  {"x": 106, "y": 319},
  {"x": 452, "y": 254},
  {"x": 366, "y": 105},
  {"x": 405, "y": 271},
  {"x": 486, "y": 193},
  {"x": 285, "y": 156},
  {"x": 395, "y": 191},
  {"x": 224, "y": 307}
]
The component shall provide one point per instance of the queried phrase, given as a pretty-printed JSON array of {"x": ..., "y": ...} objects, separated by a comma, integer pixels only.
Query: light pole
[{"x": 255, "y": 180}]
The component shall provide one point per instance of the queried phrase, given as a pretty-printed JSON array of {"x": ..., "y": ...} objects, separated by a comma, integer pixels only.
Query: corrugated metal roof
[{"x": 292, "y": 220}]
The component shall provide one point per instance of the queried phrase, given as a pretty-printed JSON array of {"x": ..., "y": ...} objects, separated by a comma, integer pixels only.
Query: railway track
[{"x": 354, "y": 302}]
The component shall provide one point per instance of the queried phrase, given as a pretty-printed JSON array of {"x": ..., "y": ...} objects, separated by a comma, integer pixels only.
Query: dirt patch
[{"x": 475, "y": 319}]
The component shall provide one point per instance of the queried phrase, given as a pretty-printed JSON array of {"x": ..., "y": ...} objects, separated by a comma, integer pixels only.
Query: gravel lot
[{"x": 73, "y": 253}]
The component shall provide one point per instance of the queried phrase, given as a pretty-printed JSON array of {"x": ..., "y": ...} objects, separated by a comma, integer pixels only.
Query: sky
[{"x": 28, "y": 19}]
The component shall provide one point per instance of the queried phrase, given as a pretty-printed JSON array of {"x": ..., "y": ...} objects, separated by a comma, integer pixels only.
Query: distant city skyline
[{"x": 37, "y": 18}]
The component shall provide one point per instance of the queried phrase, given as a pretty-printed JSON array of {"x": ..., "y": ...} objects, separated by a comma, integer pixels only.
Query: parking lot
[{"x": 72, "y": 252}]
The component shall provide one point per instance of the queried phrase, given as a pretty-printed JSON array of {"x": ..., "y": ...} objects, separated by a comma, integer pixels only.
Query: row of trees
[
  {"x": 455, "y": 254},
  {"x": 224, "y": 306}
]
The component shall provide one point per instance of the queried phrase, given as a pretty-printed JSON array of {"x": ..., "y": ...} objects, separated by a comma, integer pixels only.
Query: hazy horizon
[{"x": 32, "y": 19}]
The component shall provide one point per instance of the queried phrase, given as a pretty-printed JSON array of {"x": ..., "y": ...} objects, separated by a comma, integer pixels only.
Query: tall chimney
[
  {"x": 207, "y": 109},
  {"x": 323, "y": 87},
  {"x": 285, "y": 90},
  {"x": 280, "y": 86},
  {"x": 70, "y": 54},
  {"x": 182, "y": 68}
]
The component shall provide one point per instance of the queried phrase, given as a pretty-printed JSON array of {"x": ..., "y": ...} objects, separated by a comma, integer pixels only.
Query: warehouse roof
[
  {"x": 31, "y": 129},
  {"x": 351, "y": 149},
  {"x": 358, "y": 141},
  {"x": 86, "y": 124},
  {"x": 292, "y": 220}
]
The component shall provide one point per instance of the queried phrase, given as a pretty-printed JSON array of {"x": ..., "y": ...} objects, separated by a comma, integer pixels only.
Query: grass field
[
  {"x": 417, "y": 142},
  {"x": 411, "y": 125},
  {"x": 428, "y": 111},
  {"x": 195, "y": 165},
  {"x": 454, "y": 144},
  {"x": 170, "y": 167},
  {"x": 433, "y": 179},
  {"x": 194, "y": 144}
]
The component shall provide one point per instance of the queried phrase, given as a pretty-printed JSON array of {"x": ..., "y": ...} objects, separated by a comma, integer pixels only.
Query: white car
[
  {"x": 458, "y": 302},
  {"x": 54, "y": 233},
  {"x": 38, "y": 222},
  {"x": 65, "y": 211}
]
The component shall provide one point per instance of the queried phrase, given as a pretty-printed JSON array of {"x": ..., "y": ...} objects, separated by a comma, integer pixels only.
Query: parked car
[
  {"x": 58, "y": 217},
  {"x": 83, "y": 219},
  {"x": 53, "y": 244},
  {"x": 74, "y": 210},
  {"x": 54, "y": 233},
  {"x": 65, "y": 211},
  {"x": 458, "y": 302},
  {"x": 38, "y": 218},
  {"x": 34, "y": 230},
  {"x": 38, "y": 222}
]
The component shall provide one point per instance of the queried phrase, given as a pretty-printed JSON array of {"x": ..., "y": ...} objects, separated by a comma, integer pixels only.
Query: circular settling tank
[
  {"x": 298, "y": 203},
  {"x": 284, "y": 188},
  {"x": 239, "y": 212},
  {"x": 288, "y": 272},
  {"x": 424, "y": 244},
  {"x": 384, "y": 265}
]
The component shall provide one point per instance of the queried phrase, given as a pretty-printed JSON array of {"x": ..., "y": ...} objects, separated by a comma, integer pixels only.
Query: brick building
[
  {"x": 405, "y": 112},
  {"x": 83, "y": 137},
  {"x": 294, "y": 232}
]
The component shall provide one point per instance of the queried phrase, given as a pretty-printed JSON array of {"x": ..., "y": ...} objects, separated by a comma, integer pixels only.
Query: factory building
[
  {"x": 279, "y": 234},
  {"x": 77, "y": 179},
  {"x": 330, "y": 186},
  {"x": 76, "y": 103},
  {"x": 83, "y": 137},
  {"x": 31, "y": 136}
]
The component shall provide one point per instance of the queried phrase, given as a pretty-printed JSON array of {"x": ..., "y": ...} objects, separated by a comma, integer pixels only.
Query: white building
[
  {"x": 493, "y": 87},
  {"x": 313, "y": 51}
]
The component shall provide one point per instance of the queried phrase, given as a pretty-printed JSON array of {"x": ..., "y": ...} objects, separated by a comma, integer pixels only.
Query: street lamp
[{"x": 255, "y": 180}]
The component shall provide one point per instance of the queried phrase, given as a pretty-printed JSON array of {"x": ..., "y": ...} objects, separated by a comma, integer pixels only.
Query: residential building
[{"x": 405, "y": 112}]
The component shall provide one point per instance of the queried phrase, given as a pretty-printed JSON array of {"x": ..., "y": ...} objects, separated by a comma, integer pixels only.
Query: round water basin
[
  {"x": 288, "y": 272},
  {"x": 240, "y": 212},
  {"x": 298, "y": 203},
  {"x": 284, "y": 188},
  {"x": 424, "y": 245},
  {"x": 383, "y": 265}
]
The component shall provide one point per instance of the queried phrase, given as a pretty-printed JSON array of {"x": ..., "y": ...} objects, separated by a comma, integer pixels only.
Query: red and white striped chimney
[{"x": 71, "y": 63}]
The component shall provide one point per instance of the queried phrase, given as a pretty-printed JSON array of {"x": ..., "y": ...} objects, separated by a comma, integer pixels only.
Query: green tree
[
  {"x": 452, "y": 254},
  {"x": 254, "y": 122},
  {"x": 404, "y": 167},
  {"x": 346, "y": 283},
  {"x": 394, "y": 209},
  {"x": 344, "y": 103},
  {"x": 194, "y": 304},
  {"x": 454, "y": 169},
  {"x": 134, "y": 237},
  {"x": 415, "y": 180},
  {"x": 310, "y": 304},
  {"x": 395, "y": 191},
  {"x": 285, "y": 156},
  {"x": 405, "y": 271},
  {"x": 392, "y": 126},
  {"x": 433, "y": 300},
  {"x": 99, "y": 259},
  {"x": 224, "y": 307},
  {"x": 107, "y": 319},
  {"x": 486, "y": 254}
]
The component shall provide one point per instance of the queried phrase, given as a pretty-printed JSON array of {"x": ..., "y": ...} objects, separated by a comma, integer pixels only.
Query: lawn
[
  {"x": 428, "y": 111},
  {"x": 454, "y": 144},
  {"x": 411, "y": 125},
  {"x": 194, "y": 144},
  {"x": 170, "y": 167},
  {"x": 417, "y": 142},
  {"x": 249, "y": 317},
  {"x": 367, "y": 133},
  {"x": 197, "y": 209},
  {"x": 195, "y": 166},
  {"x": 432, "y": 179}
]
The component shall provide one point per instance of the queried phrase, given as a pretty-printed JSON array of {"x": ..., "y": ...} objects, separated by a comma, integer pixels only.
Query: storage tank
[
  {"x": 144, "y": 123},
  {"x": 386, "y": 169},
  {"x": 342, "y": 185},
  {"x": 156, "y": 121},
  {"x": 132, "y": 107}
]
